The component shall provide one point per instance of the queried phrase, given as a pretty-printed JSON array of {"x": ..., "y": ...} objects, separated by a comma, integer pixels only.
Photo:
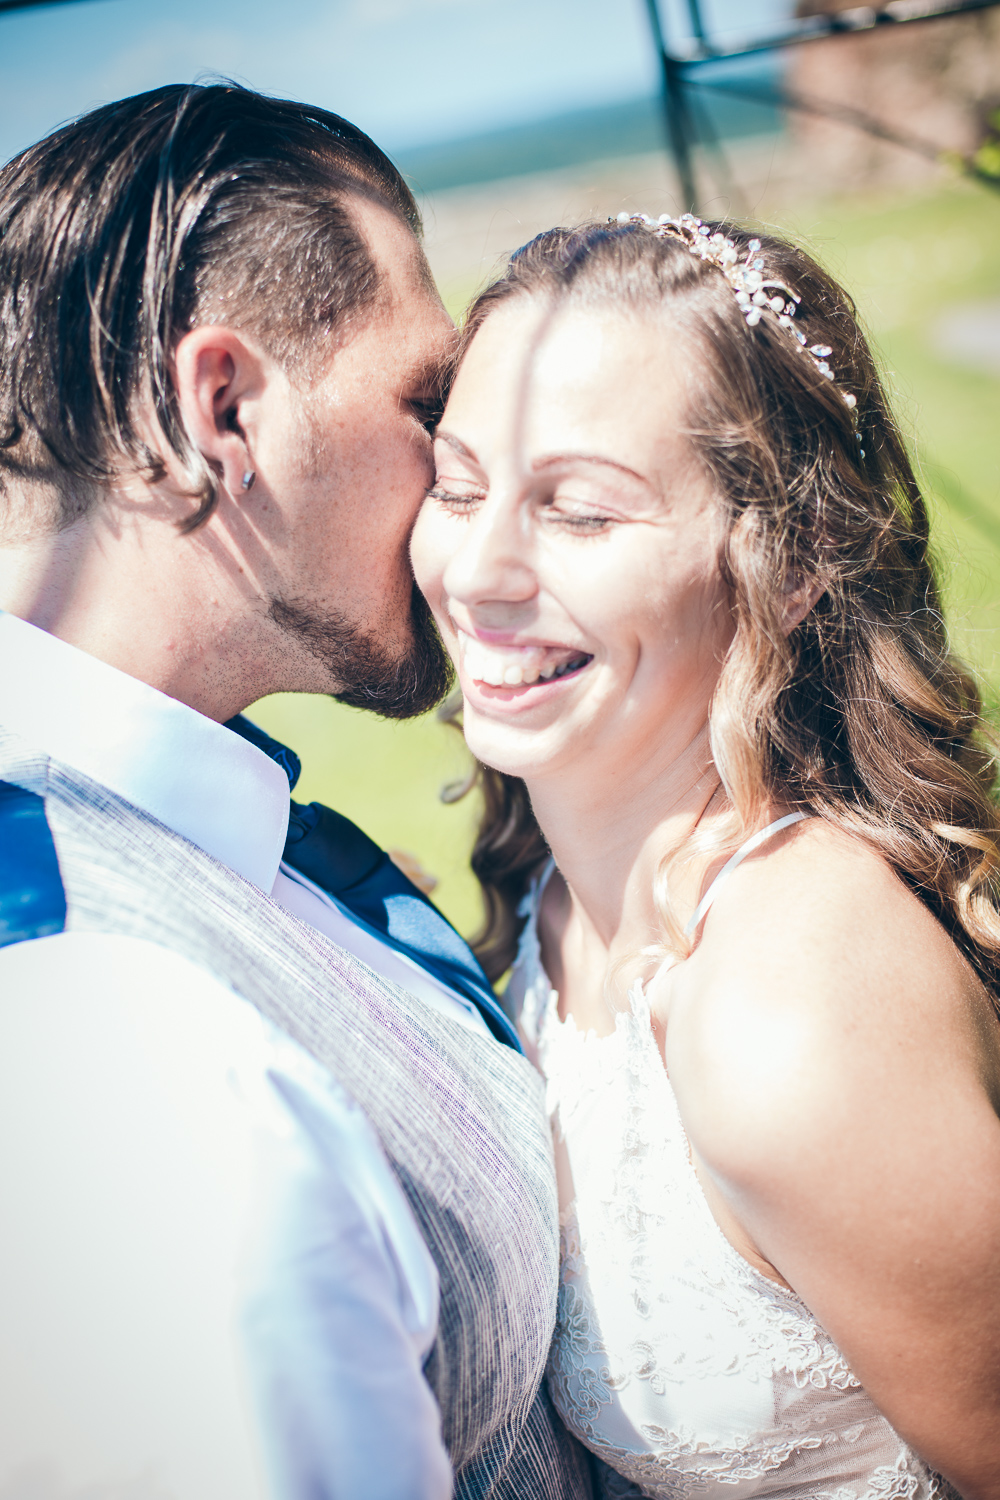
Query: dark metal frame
[{"x": 679, "y": 71}]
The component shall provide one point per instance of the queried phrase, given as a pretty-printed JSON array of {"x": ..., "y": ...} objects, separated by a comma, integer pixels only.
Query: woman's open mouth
[{"x": 513, "y": 667}]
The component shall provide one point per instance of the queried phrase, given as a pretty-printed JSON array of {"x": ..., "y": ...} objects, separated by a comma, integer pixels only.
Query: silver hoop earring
[{"x": 249, "y": 479}]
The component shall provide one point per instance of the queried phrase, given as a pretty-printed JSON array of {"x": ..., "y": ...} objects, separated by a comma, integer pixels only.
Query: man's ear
[
  {"x": 799, "y": 596},
  {"x": 219, "y": 378}
]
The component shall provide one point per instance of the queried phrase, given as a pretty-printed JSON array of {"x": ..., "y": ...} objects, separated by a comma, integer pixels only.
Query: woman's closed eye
[
  {"x": 454, "y": 495},
  {"x": 574, "y": 517},
  {"x": 460, "y": 496}
]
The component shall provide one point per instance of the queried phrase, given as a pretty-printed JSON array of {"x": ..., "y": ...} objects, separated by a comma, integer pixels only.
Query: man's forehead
[
  {"x": 393, "y": 246},
  {"x": 421, "y": 333},
  {"x": 408, "y": 319},
  {"x": 414, "y": 296}
]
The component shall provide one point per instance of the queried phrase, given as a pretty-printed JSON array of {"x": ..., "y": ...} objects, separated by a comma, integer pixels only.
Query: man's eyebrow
[
  {"x": 552, "y": 460},
  {"x": 430, "y": 375}
]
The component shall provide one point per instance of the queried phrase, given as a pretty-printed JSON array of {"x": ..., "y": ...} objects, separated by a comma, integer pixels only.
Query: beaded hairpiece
[{"x": 752, "y": 290}]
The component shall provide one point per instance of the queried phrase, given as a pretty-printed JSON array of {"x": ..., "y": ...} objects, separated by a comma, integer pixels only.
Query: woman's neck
[{"x": 608, "y": 834}]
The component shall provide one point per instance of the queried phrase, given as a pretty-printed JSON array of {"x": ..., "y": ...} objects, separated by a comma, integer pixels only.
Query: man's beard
[{"x": 392, "y": 686}]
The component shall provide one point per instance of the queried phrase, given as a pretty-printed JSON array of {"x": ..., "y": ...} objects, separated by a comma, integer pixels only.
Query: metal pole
[
  {"x": 678, "y": 121},
  {"x": 838, "y": 23},
  {"x": 697, "y": 24}
]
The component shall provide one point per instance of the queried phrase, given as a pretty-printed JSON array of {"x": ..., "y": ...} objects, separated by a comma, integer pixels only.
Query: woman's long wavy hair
[{"x": 862, "y": 715}]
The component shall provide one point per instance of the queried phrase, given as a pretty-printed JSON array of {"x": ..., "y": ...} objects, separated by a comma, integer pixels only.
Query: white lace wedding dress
[{"x": 676, "y": 1362}]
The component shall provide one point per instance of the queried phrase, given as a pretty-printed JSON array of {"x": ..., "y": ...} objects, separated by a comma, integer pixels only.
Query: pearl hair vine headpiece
[{"x": 755, "y": 293}]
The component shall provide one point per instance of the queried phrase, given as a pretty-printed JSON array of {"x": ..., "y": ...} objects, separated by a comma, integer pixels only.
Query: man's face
[{"x": 350, "y": 466}]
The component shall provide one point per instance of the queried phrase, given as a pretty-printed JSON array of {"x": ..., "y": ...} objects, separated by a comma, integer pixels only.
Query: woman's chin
[
  {"x": 516, "y": 748},
  {"x": 535, "y": 703}
]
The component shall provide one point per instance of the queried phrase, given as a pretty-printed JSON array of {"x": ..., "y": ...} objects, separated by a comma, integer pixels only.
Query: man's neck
[{"x": 139, "y": 597}]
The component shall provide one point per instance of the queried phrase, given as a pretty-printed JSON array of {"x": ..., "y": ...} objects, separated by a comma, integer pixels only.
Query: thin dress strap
[{"x": 752, "y": 843}]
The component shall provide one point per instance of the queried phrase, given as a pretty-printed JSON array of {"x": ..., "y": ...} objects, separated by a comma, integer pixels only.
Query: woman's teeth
[{"x": 517, "y": 666}]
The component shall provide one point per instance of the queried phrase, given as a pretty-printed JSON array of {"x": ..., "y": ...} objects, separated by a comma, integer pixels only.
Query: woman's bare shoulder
[
  {"x": 823, "y": 922},
  {"x": 824, "y": 989}
]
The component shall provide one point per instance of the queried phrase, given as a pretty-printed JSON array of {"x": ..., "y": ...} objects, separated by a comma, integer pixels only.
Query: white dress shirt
[{"x": 170, "y": 1163}]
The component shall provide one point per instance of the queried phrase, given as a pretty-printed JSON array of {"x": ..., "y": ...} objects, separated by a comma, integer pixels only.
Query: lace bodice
[{"x": 690, "y": 1373}]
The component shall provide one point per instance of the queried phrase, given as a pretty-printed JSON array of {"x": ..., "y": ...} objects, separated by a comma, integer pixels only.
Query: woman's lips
[{"x": 517, "y": 666}]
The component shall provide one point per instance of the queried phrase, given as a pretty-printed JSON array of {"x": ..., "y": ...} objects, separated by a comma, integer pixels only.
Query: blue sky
[{"x": 407, "y": 71}]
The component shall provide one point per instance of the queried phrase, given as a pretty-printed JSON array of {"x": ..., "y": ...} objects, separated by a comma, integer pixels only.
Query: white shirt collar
[{"x": 194, "y": 775}]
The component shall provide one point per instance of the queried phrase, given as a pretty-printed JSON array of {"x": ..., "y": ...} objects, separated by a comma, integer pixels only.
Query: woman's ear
[
  {"x": 799, "y": 596},
  {"x": 219, "y": 379}
]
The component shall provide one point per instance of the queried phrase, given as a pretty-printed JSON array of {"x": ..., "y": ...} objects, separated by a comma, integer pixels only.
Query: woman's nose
[{"x": 493, "y": 564}]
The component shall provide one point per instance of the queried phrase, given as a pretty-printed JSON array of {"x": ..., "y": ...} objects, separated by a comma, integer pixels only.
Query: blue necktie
[{"x": 337, "y": 856}]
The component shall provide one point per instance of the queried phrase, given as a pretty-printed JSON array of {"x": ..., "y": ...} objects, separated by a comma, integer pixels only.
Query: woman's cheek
[{"x": 427, "y": 559}]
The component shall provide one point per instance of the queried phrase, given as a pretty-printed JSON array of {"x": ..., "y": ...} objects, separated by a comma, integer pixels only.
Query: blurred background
[{"x": 877, "y": 146}]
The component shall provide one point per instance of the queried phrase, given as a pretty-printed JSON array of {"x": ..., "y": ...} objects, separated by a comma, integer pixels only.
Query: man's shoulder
[
  {"x": 151, "y": 1009},
  {"x": 107, "y": 963}
]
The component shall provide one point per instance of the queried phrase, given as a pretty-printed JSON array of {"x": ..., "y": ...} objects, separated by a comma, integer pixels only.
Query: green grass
[{"x": 905, "y": 260}]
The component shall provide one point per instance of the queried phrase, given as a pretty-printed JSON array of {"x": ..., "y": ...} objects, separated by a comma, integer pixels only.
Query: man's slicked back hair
[{"x": 147, "y": 217}]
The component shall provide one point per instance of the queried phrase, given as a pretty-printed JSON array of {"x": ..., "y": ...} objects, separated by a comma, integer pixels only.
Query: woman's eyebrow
[
  {"x": 456, "y": 443},
  {"x": 552, "y": 460}
]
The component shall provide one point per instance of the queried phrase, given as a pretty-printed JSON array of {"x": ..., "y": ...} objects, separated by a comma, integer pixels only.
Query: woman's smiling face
[{"x": 570, "y": 546}]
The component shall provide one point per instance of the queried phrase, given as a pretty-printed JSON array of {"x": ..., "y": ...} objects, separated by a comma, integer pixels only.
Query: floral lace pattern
[{"x": 685, "y": 1370}]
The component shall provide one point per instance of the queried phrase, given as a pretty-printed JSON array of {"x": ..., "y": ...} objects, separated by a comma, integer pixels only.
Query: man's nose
[{"x": 494, "y": 563}]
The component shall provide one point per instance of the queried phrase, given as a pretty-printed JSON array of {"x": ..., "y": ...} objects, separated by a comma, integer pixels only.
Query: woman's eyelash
[
  {"x": 585, "y": 523},
  {"x": 448, "y": 497},
  {"x": 580, "y": 524},
  {"x": 577, "y": 521}
]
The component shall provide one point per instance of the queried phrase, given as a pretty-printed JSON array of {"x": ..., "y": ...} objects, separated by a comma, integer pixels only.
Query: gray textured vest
[{"x": 461, "y": 1118}]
